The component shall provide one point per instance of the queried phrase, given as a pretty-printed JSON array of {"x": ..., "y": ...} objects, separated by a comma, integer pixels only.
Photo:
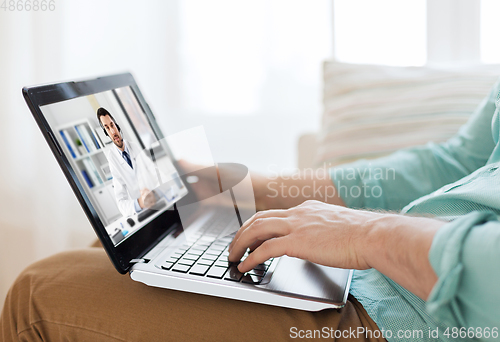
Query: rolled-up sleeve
[
  {"x": 465, "y": 255},
  {"x": 392, "y": 182}
]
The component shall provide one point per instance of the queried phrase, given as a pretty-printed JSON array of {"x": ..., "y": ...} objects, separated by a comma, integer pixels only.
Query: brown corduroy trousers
[{"x": 79, "y": 296}]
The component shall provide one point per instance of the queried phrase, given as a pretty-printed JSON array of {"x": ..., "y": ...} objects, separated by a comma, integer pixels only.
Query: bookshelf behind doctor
[{"x": 85, "y": 145}]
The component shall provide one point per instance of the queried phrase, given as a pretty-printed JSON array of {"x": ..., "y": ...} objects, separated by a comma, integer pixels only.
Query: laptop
[{"x": 177, "y": 236}]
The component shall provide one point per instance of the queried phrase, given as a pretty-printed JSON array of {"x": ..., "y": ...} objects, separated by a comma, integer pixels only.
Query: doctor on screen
[{"x": 134, "y": 174}]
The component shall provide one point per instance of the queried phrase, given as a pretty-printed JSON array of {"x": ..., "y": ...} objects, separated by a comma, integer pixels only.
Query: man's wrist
[
  {"x": 398, "y": 246},
  {"x": 371, "y": 238},
  {"x": 382, "y": 235}
]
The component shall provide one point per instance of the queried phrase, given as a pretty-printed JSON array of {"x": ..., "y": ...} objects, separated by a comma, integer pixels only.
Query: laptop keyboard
[{"x": 207, "y": 255}]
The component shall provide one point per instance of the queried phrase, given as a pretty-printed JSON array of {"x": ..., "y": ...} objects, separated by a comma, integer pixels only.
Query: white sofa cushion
[{"x": 372, "y": 110}]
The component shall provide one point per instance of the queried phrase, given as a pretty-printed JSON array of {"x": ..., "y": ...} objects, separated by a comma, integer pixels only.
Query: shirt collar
[{"x": 125, "y": 150}]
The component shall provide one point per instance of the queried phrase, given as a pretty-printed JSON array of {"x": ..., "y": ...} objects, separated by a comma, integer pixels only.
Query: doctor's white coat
[{"x": 128, "y": 182}]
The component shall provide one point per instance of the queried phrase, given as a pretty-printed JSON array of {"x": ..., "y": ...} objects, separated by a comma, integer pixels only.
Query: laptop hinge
[{"x": 138, "y": 261}]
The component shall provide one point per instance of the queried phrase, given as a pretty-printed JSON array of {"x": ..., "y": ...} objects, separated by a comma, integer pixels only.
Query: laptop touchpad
[{"x": 303, "y": 278}]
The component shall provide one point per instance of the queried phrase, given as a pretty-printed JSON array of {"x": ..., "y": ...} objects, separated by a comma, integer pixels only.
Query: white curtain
[
  {"x": 39, "y": 214},
  {"x": 249, "y": 73},
  {"x": 32, "y": 197}
]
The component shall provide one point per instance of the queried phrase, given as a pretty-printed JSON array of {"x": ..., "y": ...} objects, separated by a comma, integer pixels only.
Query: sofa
[{"x": 373, "y": 110}]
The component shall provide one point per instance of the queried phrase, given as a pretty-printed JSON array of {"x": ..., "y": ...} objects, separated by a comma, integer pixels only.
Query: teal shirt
[{"x": 457, "y": 181}]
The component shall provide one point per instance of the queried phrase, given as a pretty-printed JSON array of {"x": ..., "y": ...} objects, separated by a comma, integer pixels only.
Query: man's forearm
[
  {"x": 398, "y": 246},
  {"x": 284, "y": 192}
]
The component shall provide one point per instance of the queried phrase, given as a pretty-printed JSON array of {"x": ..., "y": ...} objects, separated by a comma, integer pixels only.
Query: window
[
  {"x": 396, "y": 33},
  {"x": 490, "y": 51},
  {"x": 252, "y": 57}
]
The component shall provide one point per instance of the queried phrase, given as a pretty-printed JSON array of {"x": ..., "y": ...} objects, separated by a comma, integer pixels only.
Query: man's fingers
[
  {"x": 260, "y": 230},
  {"x": 269, "y": 249},
  {"x": 255, "y": 245},
  {"x": 256, "y": 216}
]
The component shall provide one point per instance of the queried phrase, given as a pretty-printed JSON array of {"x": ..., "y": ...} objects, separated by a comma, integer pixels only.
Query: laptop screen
[{"x": 124, "y": 169}]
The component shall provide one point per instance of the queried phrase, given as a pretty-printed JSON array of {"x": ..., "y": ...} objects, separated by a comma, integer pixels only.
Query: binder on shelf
[
  {"x": 85, "y": 138},
  {"x": 69, "y": 143},
  {"x": 91, "y": 142},
  {"x": 84, "y": 143},
  {"x": 97, "y": 140},
  {"x": 92, "y": 171},
  {"x": 87, "y": 179}
]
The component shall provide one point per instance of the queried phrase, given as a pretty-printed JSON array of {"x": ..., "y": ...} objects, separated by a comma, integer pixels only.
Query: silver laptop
[{"x": 165, "y": 225}]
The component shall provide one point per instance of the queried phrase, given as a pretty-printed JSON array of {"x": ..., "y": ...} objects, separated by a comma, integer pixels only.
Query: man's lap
[{"x": 79, "y": 294}]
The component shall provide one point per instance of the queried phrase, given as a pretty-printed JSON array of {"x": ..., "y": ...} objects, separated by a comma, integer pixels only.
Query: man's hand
[
  {"x": 396, "y": 245},
  {"x": 325, "y": 234},
  {"x": 147, "y": 198}
]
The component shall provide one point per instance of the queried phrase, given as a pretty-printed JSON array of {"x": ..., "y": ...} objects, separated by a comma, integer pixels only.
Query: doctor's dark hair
[{"x": 103, "y": 112}]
